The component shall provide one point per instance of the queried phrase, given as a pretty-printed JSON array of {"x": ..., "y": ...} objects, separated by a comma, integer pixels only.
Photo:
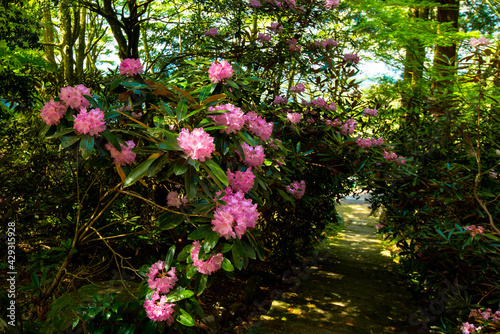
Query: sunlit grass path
[{"x": 352, "y": 289}]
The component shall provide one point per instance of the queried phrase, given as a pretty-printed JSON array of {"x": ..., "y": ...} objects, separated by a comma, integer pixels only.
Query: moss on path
[{"x": 351, "y": 289}]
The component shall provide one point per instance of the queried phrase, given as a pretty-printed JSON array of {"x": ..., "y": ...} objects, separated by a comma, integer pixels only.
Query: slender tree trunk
[
  {"x": 67, "y": 39},
  {"x": 48, "y": 35},
  {"x": 80, "y": 56}
]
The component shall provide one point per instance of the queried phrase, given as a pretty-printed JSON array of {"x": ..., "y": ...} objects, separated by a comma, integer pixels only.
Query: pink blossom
[
  {"x": 294, "y": 117},
  {"x": 280, "y": 101},
  {"x": 219, "y": 71},
  {"x": 126, "y": 156},
  {"x": 197, "y": 145},
  {"x": 336, "y": 122},
  {"x": 310, "y": 120},
  {"x": 254, "y": 3},
  {"x": 91, "y": 122},
  {"x": 474, "y": 230},
  {"x": 254, "y": 156},
  {"x": 74, "y": 96},
  {"x": 331, "y": 4},
  {"x": 377, "y": 142},
  {"x": 299, "y": 88},
  {"x": 479, "y": 41},
  {"x": 211, "y": 32},
  {"x": 331, "y": 42},
  {"x": 52, "y": 112},
  {"x": 296, "y": 189},
  {"x": 275, "y": 27},
  {"x": 469, "y": 328},
  {"x": 351, "y": 57},
  {"x": 293, "y": 45},
  {"x": 264, "y": 38},
  {"x": 241, "y": 181},
  {"x": 206, "y": 267},
  {"x": 157, "y": 308},
  {"x": 173, "y": 199},
  {"x": 390, "y": 155},
  {"x": 364, "y": 143},
  {"x": 130, "y": 67},
  {"x": 136, "y": 115},
  {"x": 233, "y": 219},
  {"x": 370, "y": 112},
  {"x": 379, "y": 226},
  {"x": 258, "y": 126},
  {"x": 348, "y": 127},
  {"x": 233, "y": 120},
  {"x": 158, "y": 279}
]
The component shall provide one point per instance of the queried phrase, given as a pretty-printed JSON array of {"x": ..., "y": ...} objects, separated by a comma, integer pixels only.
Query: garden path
[{"x": 351, "y": 287}]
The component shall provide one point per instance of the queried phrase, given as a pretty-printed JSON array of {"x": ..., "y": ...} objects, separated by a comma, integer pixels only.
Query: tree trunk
[
  {"x": 67, "y": 40},
  {"x": 80, "y": 56},
  {"x": 48, "y": 35}
]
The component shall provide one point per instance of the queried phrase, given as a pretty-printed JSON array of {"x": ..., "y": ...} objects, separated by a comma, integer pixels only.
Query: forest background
[{"x": 79, "y": 217}]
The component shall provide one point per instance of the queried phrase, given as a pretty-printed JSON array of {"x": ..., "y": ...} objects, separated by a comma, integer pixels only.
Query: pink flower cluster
[
  {"x": 294, "y": 117},
  {"x": 258, "y": 126},
  {"x": 206, "y": 267},
  {"x": 275, "y": 27},
  {"x": 351, "y": 57},
  {"x": 370, "y": 112},
  {"x": 174, "y": 199},
  {"x": 296, "y": 189},
  {"x": 264, "y": 38},
  {"x": 348, "y": 127},
  {"x": 52, "y": 112},
  {"x": 130, "y": 67},
  {"x": 254, "y": 156},
  {"x": 280, "y": 101},
  {"x": 467, "y": 328},
  {"x": 74, "y": 96},
  {"x": 292, "y": 45},
  {"x": 335, "y": 122},
  {"x": 369, "y": 142},
  {"x": 157, "y": 307},
  {"x": 254, "y": 3},
  {"x": 320, "y": 102},
  {"x": 241, "y": 181},
  {"x": 91, "y": 122},
  {"x": 474, "y": 230},
  {"x": 126, "y": 156},
  {"x": 211, "y": 32},
  {"x": 233, "y": 219},
  {"x": 219, "y": 71},
  {"x": 391, "y": 156},
  {"x": 299, "y": 88},
  {"x": 479, "y": 41},
  {"x": 329, "y": 42},
  {"x": 197, "y": 145},
  {"x": 233, "y": 120},
  {"x": 331, "y": 4},
  {"x": 487, "y": 315}
]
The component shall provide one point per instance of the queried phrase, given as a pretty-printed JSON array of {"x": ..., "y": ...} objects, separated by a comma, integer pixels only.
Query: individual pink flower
[
  {"x": 280, "y": 101},
  {"x": 173, "y": 199},
  {"x": 52, "y": 112},
  {"x": 130, "y": 67},
  {"x": 254, "y": 156},
  {"x": 370, "y": 112},
  {"x": 294, "y": 117},
  {"x": 296, "y": 189},
  {"x": 331, "y": 4},
  {"x": 258, "y": 126},
  {"x": 254, "y": 3},
  {"x": 211, "y": 32},
  {"x": 351, "y": 57},
  {"x": 197, "y": 145},
  {"x": 158, "y": 279},
  {"x": 479, "y": 41},
  {"x": 206, "y": 267},
  {"x": 233, "y": 219},
  {"x": 348, "y": 127},
  {"x": 91, "y": 122},
  {"x": 241, "y": 181},
  {"x": 275, "y": 27},
  {"x": 264, "y": 38},
  {"x": 299, "y": 88},
  {"x": 74, "y": 96},
  {"x": 219, "y": 71},
  {"x": 126, "y": 156},
  {"x": 157, "y": 308},
  {"x": 233, "y": 120}
]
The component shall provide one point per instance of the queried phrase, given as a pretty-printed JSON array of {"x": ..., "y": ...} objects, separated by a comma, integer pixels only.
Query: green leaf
[
  {"x": 179, "y": 295},
  {"x": 170, "y": 257},
  {"x": 200, "y": 233},
  {"x": 216, "y": 171},
  {"x": 182, "y": 109},
  {"x": 191, "y": 271},
  {"x": 180, "y": 167},
  {"x": 183, "y": 255},
  {"x": 185, "y": 318},
  {"x": 170, "y": 220},
  {"x": 233, "y": 84},
  {"x": 210, "y": 241},
  {"x": 157, "y": 165},
  {"x": 227, "y": 265},
  {"x": 60, "y": 133},
  {"x": 87, "y": 146},
  {"x": 247, "y": 248},
  {"x": 113, "y": 140},
  {"x": 67, "y": 141},
  {"x": 200, "y": 283},
  {"x": 205, "y": 91},
  {"x": 138, "y": 172},
  {"x": 190, "y": 183},
  {"x": 34, "y": 279},
  {"x": 169, "y": 146},
  {"x": 238, "y": 254},
  {"x": 226, "y": 248}
]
